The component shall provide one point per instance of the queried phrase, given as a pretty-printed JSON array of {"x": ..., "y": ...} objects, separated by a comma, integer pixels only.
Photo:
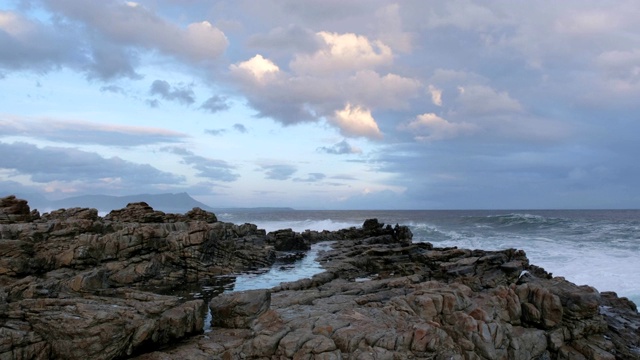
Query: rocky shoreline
[{"x": 74, "y": 285}]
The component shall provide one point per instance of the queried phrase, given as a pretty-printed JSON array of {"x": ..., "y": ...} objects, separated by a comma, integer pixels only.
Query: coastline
[{"x": 85, "y": 273}]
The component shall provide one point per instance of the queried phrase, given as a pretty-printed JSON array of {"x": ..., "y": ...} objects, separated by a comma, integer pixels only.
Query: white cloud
[
  {"x": 390, "y": 91},
  {"x": 257, "y": 67},
  {"x": 343, "y": 52},
  {"x": 436, "y": 95},
  {"x": 431, "y": 127},
  {"x": 356, "y": 121}
]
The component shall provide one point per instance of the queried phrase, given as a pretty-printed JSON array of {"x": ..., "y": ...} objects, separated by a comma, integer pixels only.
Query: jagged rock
[
  {"x": 139, "y": 212},
  {"x": 67, "y": 282},
  {"x": 66, "y": 278},
  {"x": 288, "y": 240},
  {"x": 387, "y": 300},
  {"x": 13, "y": 210}
]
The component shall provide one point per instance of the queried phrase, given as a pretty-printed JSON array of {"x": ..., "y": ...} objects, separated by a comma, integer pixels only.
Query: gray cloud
[
  {"x": 32, "y": 45},
  {"x": 153, "y": 103},
  {"x": 240, "y": 128},
  {"x": 215, "y": 103},
  {"x": 278, "y": 171},
  {"x": 51, "y": 164},
  {"x": 112, "y": 88},
  {"x": 182, "y": 94},
  {"x": 236, "y": 127},
  {"x": 84, "y": 132},
  {"x": 311, "y": 177},
  {"x": 343, "y": 147},
  {"x": 212, "y": 169},
  {"x": 131, "y": 24},
  {"x": 292, "y": 38},
  {"x": 215, "y": 132},
  {"x": 101, "y": 39}
]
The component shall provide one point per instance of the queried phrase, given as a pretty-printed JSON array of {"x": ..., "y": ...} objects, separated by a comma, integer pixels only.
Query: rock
[
  {"x": 139, "y": 212},
  {"x": 239, "y": 309},
  {"x": 416, "y": 303},
  {"x": 288, "y": 240},
  {"x": 74, "y": 285},
  {"x": 13, "y": 210},
  {"x": 66, "y": 277}
]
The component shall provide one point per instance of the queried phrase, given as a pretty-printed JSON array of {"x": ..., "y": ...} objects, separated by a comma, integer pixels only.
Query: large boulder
[
  {"x": 14, "y": 210},
  {"x": 239, "y": 309}
]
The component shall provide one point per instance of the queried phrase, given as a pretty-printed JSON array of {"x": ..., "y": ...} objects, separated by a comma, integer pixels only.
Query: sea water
[{"x": 599, "y": 248}]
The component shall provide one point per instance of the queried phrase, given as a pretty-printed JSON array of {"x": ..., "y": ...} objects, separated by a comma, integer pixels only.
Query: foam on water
[
  {"x": 598, "y": 248},
  {"x": 277, "y": 274},
  {"x": 606, "y": 265}
]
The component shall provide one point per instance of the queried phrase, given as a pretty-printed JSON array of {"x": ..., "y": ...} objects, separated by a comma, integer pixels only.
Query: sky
[{"x": 324, "y": 104}]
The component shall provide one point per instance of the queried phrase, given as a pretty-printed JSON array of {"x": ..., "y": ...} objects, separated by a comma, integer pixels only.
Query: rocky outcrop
[
  {"x": 396, "y": 300},
  {"x": 14, "y": 210},
  {"x": 74, "y": 285}
]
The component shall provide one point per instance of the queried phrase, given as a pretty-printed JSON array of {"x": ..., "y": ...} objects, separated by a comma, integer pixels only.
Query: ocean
[{"x": 600, "y": 248}]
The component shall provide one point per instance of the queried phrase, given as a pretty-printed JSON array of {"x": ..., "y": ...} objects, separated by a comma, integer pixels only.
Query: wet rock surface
[{"x": 78, "y": 286}]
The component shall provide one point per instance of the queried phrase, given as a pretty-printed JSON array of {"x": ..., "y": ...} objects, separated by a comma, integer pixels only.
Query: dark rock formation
[
  {"x": 381, "y": 299},
  {"x": 70, "y": 281},
  {"x": 74, "y": 285}
]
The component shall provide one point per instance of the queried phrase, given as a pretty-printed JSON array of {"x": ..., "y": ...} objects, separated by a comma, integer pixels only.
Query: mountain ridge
[{"x": 166, "y": 202}]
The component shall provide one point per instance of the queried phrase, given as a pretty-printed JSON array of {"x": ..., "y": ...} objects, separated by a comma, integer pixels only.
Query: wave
[
  {"x": 515, "y": 220},
  {"x": 302, "y": 225}
]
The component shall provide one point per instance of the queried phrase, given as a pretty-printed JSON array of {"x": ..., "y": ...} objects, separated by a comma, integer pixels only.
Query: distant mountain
[{"x": 169, "y": 203}]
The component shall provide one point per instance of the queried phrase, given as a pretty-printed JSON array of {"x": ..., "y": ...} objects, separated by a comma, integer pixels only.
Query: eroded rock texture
[{"x": 74, "y": 285}]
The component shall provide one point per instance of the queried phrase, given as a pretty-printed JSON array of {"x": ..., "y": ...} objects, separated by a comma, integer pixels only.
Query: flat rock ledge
[{"x": 74, "y": 285}]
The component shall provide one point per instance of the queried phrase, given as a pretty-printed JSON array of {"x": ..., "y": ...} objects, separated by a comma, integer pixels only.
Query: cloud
[
  {"x": 356, "y": 121},
  {"x": 620, "y": 71},
  {"x": 292, "y": 39},
  {"x": 215, "y": 104},
  {"x": 131, "y": 24},
  {"x": 311, "y": 177},
  {"x": 112, "y": 88},
  {"x": 257, "y": 68},
  {"x": 215, "y": 132},
  {"x": 240, "y": 128},
  {"x": 69, "y": 165},
  {"x": 278, "y": 171},
  {"x": 212, "y": 169},
  {"x": 343, "y": 52},
  {"x": 390, "y": 28},
  {"x": 236, "y": 127},
  {"x": 390, "y": 91},
  {"x": 31, "y": 45},
  {"x": 480, "y": 100},
  {"x": 464, "y": 14},
  {"x": 181, "y": 94},
  {"x": 103, "y": 39},
  {"x": 436, "y": 95},
  {"x": 431, "y": 127},
  {"x": 343, "y": 147},
  {"x": 85, "y": 132}
]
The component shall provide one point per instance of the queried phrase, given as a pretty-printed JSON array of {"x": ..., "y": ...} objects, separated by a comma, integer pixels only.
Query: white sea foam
[
  {"x": 596, "y": 248},
  {"x": 302, "y": 225},
  {"x": 304, "y": 268},
  {"x": 605, "y": 266}
]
